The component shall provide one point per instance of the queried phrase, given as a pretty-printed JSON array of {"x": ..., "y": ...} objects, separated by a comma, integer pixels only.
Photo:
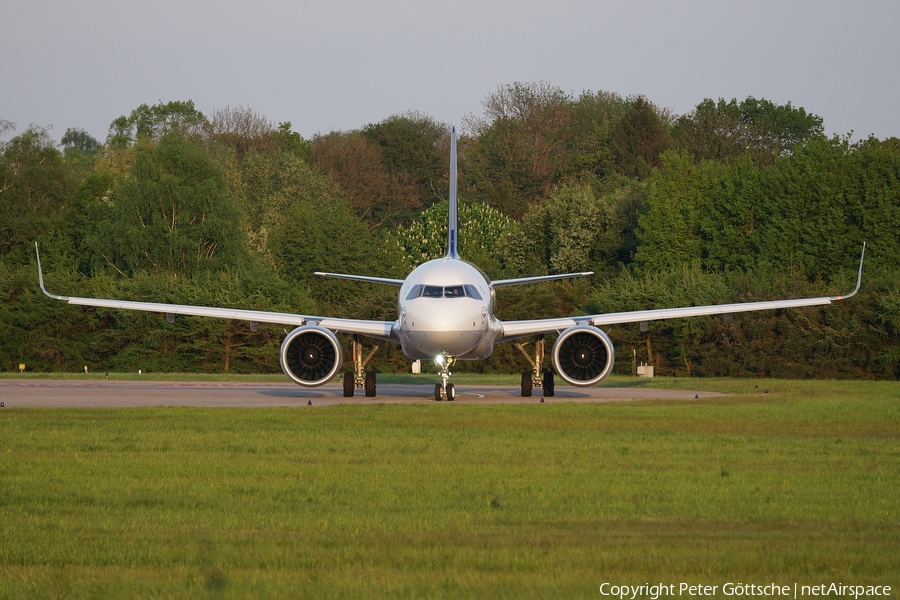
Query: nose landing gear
[{"x": 444, "y": 390}]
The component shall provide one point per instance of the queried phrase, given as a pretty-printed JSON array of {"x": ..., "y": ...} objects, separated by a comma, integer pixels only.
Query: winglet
[
  {"x": 452, "y": 226},
  {"x": 41, "y": 277},
  {"x": 858, "y": 277}
]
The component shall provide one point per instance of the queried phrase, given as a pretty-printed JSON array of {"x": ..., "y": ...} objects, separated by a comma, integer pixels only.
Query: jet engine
[
  {"x": 583, "y": 355},
  {"x": 311, "y": 355}
]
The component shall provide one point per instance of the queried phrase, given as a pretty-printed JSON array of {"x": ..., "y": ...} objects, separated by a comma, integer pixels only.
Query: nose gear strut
[{"x": 444, "y": 390}]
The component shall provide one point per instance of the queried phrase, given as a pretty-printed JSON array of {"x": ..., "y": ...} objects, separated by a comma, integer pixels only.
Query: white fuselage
[{"x": 446, "y": 307}]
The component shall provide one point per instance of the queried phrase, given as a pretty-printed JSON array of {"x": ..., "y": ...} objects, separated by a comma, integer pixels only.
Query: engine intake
[
  {"x": 583, "y": 355},
  {"x": 311, "y": 355}
]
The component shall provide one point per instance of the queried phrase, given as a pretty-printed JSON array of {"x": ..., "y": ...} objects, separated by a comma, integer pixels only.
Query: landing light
[{"x": 439, "y": 359}]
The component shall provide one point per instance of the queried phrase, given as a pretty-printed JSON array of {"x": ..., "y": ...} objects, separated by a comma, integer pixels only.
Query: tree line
[{"x": 734, "y": 201}]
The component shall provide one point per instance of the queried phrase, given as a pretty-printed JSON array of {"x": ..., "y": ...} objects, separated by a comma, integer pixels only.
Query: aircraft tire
[
  {"x": 349, "y": 384},
  {"x": 451, "y": 392},
  {"x": 438, "y": 392},
  {"x": 549, "y": 384},
  {"x": 526, "y": 384},
  {"x": 370, "y": 384}
]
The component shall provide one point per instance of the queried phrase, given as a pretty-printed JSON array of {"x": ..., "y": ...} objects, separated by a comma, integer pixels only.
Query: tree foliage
[
  {"x": 484, "y": 234},
  {"x": 35, "y": 186},
  {"x": 760, "y": 129},
  {"x": 640, "y": 137},
  {"x": 519, "y": 145},
  {"x": 734, "y": 201},
  {"x": 154, "y": 121},
  {"x": 173, "y": 214}
]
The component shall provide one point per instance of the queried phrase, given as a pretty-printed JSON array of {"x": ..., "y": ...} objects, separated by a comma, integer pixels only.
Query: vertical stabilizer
[{"x": 452, "y": 228}]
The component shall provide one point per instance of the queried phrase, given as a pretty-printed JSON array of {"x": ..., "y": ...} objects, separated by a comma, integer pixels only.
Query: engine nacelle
[
  {"x": 583, "y": 355},
  {"x": 311, "y": 355}
]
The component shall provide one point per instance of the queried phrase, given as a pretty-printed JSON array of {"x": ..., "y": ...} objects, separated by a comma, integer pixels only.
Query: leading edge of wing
[
  {"x": 523, "y": 280},
  {"x": 376, "y": 329},
  {"x": 365, "y": 278},
  {"x": 518, "y": 329}
]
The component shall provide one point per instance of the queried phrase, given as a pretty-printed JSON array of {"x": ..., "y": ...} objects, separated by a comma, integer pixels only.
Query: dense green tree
[
  {"x": 155, "y": 121},
  {"x": 761, "y": 129},
  {"x": 377, "y": 195},
  {"x": 590, "y": 147},
  {"x": 677, "y": 198},
  {"x": 174, "y": 213},
  {"x": 755, "y": 204},
  {"x": 315, "y": 237},
  {"x": 35, "y": 186},
  {"x": 575, "y": 229},
  {"x": 800, "y": 221},
  {"x": 484, "y": 236},
  {"x": 873, "y": 187},
  {"x": 519, "y": 150},
  {"x": 640, "y": 137},
  {"x": 265, "y": 183},
  {"x": 414, "y": 147}
]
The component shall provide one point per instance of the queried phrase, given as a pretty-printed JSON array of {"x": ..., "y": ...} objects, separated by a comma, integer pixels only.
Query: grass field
[{"x": 449, "y": 500}]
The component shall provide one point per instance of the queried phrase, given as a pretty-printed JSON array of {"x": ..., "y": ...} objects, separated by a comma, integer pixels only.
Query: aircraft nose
[
  {"x": 435, "y": 328},
  {"x": 442, "y": 318}
]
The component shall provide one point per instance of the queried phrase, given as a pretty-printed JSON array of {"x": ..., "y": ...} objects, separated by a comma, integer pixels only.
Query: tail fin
[{"x": 452, "y": 227}]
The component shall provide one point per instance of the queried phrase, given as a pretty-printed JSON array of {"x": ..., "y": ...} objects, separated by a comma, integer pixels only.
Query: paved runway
[{"x": 91, "y": 393}]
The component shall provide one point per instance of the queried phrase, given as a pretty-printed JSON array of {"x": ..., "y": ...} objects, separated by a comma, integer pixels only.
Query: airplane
[{"x": 446, "y": 313}]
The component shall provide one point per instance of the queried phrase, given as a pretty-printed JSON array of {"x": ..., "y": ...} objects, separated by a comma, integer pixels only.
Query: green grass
[{"x": 448, "y": 500}]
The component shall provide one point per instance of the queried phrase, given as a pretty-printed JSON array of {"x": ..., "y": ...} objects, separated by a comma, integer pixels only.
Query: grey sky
[{"x": 340, "y": 64}]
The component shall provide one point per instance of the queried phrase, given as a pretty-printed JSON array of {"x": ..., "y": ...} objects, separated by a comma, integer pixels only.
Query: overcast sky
[{"x": 341, "y": 64}]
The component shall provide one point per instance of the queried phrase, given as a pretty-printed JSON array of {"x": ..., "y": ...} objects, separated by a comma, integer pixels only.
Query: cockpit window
[
  {"x": 472, "y": 292},
  {"x": 415, "y": 292},
  {"x": 448, "y": 291}
]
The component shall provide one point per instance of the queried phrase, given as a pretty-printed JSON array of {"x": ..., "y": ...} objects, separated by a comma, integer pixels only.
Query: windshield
[{"x": 444, "y": 291}]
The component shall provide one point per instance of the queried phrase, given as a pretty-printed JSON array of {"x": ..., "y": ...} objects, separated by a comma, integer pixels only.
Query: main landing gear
[
  {"x": 359, "y": 378},
  {"x": 444, "y": 390},
  {"x": 536, "y": 377}
]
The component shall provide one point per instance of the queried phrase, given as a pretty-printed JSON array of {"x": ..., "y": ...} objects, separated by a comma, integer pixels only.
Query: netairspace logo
[{"x": 740, "y": 589}]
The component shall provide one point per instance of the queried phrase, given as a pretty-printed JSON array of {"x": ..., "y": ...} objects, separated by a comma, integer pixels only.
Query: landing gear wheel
[
  {"x": 349, "y": 384},
  {"x": 549, "y": 384},
  {"x": 526, "y": 384},
  {"x": 438, "y": 392},
  {"x": 451, "y": 392},
  {"x": 370, "y": 384}
]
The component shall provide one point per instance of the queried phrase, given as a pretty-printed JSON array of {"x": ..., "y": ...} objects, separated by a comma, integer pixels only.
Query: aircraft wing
[
  {"x": 376, "y": 329},
  {"x": 519, "y": 329},
  {"x": 521, "y": 280},
  {"x": 365, "y": 278}
]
